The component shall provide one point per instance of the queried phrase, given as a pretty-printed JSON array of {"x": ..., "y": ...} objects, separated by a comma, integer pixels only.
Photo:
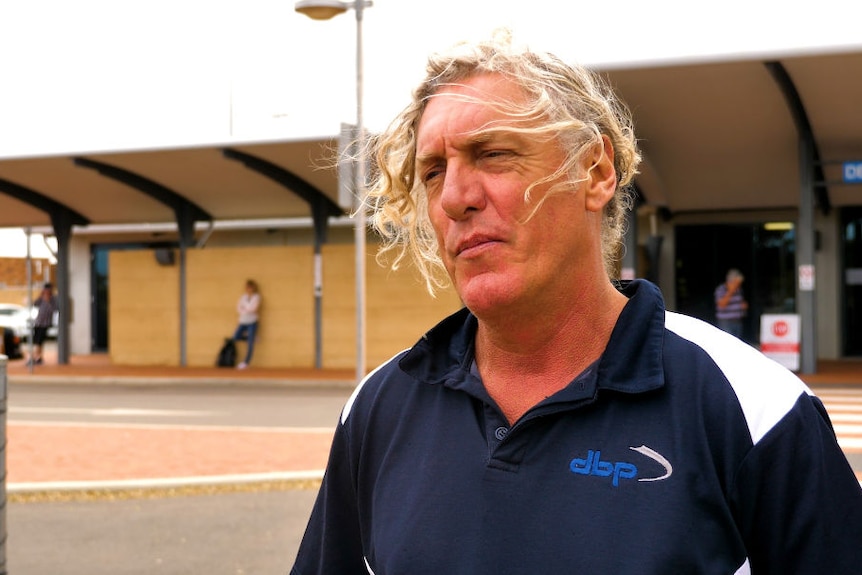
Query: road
[
  {"x": 844, "y": 404},
  {"x": 275, "y": 407},
  {"x": 189, "y": 405},
  {"x": 241, "y": 532},
  {"x": 237, "y": 533}
]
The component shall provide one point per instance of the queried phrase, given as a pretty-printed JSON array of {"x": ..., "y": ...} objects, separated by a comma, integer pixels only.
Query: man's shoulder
[
  {"x": 377, "y": 382},
  {"x": 765, "y": 390}
]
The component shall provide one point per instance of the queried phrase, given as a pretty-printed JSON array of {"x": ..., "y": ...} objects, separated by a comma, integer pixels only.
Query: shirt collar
[{"x": 631, "y": 363}]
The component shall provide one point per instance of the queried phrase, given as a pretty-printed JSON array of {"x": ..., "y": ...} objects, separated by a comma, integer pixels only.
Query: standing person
[
  {"x": 247, "y": 307},
  {"x": 46, "y": 306},
  {"x": 561, "y": 422},
  {"x": 730, "y": 305}
]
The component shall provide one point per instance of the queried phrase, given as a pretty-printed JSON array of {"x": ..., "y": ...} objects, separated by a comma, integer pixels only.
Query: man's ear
[{"x": 602, "y": 182}]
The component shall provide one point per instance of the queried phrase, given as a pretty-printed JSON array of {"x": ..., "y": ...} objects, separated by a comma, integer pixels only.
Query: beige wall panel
[
  {"x": 399, "y": 309},
  {"x": 143, "y": 310},
  {"x": 339, "y": 307},
  {"x": 18, "y": 296},
  {"x": 216, "y": 280},
  {"x": 144, "y": 307}
]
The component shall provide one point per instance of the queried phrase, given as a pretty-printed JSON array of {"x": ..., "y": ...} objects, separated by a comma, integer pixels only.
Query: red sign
[
  {"x": 779, "y": 338},
  {"x": 780, "y": 328}
]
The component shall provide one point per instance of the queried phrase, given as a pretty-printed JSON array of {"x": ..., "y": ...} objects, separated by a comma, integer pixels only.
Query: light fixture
[
  {"x": 778, "y": 226},
  {"x": 321, "y": 9}
]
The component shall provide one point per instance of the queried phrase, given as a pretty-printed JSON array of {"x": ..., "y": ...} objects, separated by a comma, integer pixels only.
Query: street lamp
[{"x": 324, "y": 10}]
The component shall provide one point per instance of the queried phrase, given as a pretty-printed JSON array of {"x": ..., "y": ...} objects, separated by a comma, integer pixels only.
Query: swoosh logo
[{"x": 657, "y": 457}]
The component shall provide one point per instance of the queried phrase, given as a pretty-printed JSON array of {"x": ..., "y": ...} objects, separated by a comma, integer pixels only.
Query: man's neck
[{"x": 524, "y": 358}]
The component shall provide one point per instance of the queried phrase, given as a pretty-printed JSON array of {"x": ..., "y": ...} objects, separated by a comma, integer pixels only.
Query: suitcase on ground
[{"x": 227, "y": 354}]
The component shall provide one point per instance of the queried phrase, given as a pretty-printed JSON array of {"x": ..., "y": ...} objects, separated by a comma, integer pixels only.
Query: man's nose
[{"x": 463, "y": 191}]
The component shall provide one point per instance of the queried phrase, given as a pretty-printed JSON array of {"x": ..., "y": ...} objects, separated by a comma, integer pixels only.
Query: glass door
[
  {"x": 765, "y": 254},
  {"x": 851, "y": 243}
]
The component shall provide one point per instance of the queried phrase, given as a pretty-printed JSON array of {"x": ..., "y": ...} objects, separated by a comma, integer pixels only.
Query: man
[
  {"x": 730, "y": 304},
  {"x": 46, "y": 306},
  {"x": 558, "y": 424}
]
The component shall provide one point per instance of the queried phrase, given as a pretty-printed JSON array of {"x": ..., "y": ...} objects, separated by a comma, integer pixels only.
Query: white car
[{"x": 16, "y": 318}]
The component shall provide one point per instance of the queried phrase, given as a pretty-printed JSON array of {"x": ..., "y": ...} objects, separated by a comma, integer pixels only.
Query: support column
[
  {"x": 629, "y": 269},
  {"x": 3, "y": 408},
  {"x": 806, "y": 276},
  {"x": 62, "y": 224}
]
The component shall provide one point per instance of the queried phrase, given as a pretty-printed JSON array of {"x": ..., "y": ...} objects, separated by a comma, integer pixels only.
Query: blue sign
[{"x": 853, "y": 172}]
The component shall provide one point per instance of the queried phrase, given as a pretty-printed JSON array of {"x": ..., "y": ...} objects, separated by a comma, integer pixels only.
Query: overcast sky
[
  {"x": 98, "y": 75},
  {"x": 91, "y": 75}
]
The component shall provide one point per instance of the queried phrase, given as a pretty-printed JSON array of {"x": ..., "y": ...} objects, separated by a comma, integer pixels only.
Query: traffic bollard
[{"x": 3, "y": 397}]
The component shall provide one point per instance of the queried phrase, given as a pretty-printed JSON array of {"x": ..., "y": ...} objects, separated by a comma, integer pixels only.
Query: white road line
[
  {"x": 164, "y": 483},
  {"x": 847, "y": 429},
  {"x": 839, "y": 417},
  {"x": 830, "y": 407},
  {"x": 112, "y": 412},
  {"x": 156, "y": 426},
  {"x": 850, "y": 443},
  {"x": 837, "y": 391},
  {"x": 844, "y": 406},
  {"x": 840, "y": 400}
]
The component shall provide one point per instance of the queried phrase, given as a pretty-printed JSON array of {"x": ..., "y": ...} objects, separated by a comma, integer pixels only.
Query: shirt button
[{"x": 501, "y": 433}]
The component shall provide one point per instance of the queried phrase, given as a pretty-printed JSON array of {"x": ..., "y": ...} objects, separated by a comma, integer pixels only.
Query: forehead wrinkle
[{"x": 459, "y": 140}]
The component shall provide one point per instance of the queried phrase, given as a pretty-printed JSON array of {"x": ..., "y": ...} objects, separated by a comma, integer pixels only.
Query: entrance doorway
[
  {"x": 100, "y": 283},
  {"x": 763, "y": 252},
  {"x": 851, "y": 248}
]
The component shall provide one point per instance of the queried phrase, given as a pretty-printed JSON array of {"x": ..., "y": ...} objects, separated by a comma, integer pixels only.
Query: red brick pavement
[
  {"x": 43, "y": 453},
  {"x": 61, "y": 453},
  {"x": 49, "y": 453}
]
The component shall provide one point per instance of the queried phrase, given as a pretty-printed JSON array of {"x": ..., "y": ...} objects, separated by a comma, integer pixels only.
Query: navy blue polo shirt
[{"x": 681, "y": 450}]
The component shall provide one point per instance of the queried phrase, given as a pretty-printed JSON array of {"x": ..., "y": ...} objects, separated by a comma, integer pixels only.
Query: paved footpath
[
  {"x": 50, "y": 457},
  {"x": 120, "y": 499},
  {"x": 42, "y": 457},
  {"x": 56, "y": 457},
  {"x": 124, "y": 500}
]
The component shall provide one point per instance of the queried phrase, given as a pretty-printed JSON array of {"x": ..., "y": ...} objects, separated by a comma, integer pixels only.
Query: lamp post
[{"x": 324, "y": 10}]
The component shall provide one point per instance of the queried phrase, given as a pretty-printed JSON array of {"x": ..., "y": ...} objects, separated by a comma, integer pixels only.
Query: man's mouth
[{"x": 474, "y": 243}]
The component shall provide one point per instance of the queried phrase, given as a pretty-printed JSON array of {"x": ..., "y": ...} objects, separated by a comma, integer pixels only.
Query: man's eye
[
  {"x": 431, "y": 174},
  {"x": 493, "y": 154}
]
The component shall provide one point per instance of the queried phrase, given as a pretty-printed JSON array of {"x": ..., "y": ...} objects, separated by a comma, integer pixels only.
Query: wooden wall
[
  {"x": 13, "y": 278},
  {"x": 144, "y": 306},
  {"x": 13, "y": 272}
]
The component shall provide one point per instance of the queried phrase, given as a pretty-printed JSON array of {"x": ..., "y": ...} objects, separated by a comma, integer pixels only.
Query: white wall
[{"x": 80, "y": 330}]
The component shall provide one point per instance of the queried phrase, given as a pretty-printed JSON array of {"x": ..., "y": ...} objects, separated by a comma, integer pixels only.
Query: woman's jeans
[{"x": 246, "y": 332}]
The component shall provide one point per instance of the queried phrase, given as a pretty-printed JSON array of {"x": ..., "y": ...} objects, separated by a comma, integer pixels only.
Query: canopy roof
[{"x": 720, "y": 135}]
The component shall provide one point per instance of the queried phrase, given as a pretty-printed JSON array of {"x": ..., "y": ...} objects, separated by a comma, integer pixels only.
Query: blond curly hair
[{"x": 568, "y": 104}]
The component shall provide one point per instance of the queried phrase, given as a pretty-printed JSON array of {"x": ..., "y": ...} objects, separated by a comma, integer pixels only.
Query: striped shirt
[{"x": 736, "y": 306}]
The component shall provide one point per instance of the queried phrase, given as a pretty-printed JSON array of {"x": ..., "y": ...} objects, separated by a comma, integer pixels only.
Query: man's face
[{"x": 475, "y": 185}]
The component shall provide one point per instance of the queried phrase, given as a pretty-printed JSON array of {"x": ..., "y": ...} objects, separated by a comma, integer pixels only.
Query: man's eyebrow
[
  {"x": 469, "y": 139},
  {"x": 426, "y": 158}
]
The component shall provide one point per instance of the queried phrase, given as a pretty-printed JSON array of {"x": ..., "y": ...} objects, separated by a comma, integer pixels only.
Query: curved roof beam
[
  {"x": 803, "y": 128},
  {"x": 321, "y": 205},
  {"x": 186, "y": 212},
  {"x": 59, "y": 213},
  {"x": 62, "y": 219}
]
